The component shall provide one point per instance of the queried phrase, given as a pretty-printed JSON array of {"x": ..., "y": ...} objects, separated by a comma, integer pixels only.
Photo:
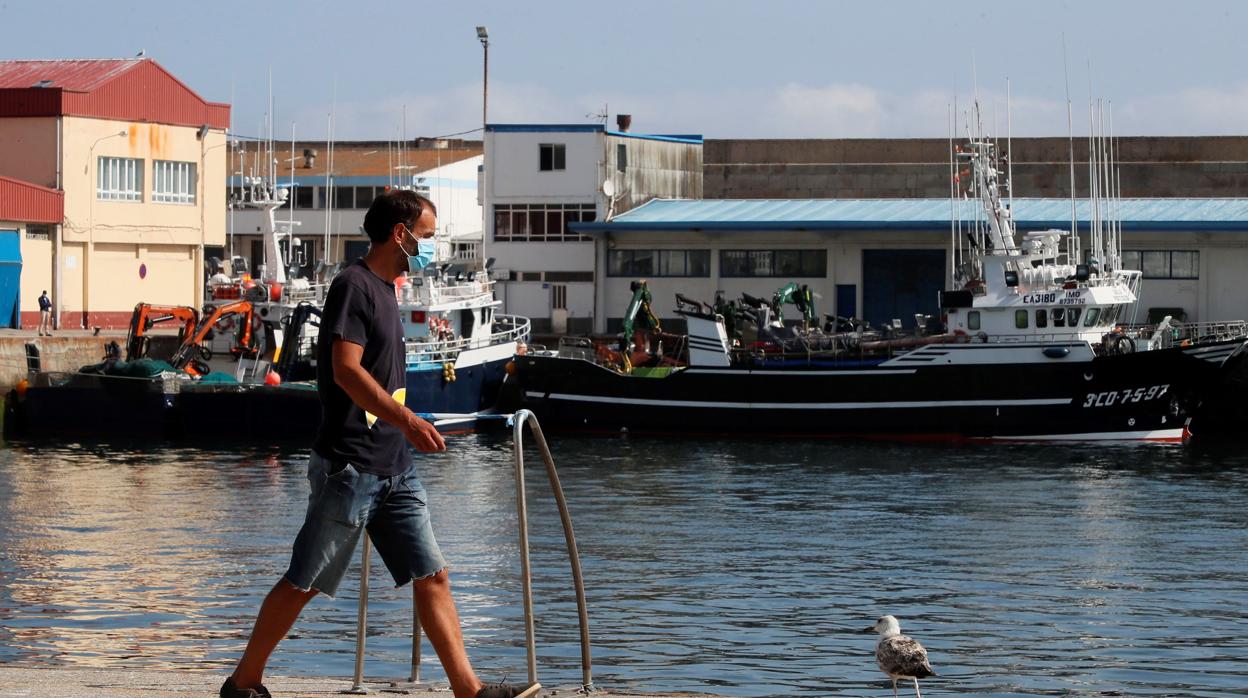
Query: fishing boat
[
  {"x": 248, "y": 371},
  {"x": 1034, "y": 343}
]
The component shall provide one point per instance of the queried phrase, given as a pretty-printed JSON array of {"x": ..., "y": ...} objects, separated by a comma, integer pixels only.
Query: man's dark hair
[{"x": 391, "y": 207}]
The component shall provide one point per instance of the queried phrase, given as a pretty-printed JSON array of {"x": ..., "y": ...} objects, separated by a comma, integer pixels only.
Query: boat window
[
  {"x": 972, "y": 320},
  {"x": 1111, "y": 315},
  {"x": 1059, "y": 317},
  {"x": 1090, "y": 319},
  {"x": 1042, "y": 317},
  {"x": 1073, "y": 315},
  {"x": 1020, "y": 319}
]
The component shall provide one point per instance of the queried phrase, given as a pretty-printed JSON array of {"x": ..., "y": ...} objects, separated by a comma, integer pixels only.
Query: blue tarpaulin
[{"x": 10, "y": 279}]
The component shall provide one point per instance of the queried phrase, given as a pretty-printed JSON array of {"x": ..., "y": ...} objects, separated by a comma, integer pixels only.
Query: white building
[
  {"x": 329, "y": 210},
  {"x": 540, "y": 179},
  {"x": 886, "y": 259}
]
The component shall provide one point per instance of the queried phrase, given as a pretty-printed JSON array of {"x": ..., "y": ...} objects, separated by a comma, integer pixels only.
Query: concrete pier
[{"x": 106, "y": 683}]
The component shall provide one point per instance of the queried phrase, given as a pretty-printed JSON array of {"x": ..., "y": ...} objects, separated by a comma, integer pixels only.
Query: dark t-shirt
[
  {"x": 361, "y": 309},
  {"x": 45, "y": 303}
]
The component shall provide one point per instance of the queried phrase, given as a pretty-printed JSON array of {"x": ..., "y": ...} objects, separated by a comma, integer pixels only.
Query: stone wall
[{"x": 55, "y": 354}]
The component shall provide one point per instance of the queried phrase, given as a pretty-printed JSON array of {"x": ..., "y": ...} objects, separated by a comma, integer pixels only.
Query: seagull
[{"x": 899, "y": 656}]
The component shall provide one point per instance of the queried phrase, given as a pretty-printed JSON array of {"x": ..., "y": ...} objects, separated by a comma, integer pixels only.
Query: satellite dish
[{"x": 608, "y": 188}]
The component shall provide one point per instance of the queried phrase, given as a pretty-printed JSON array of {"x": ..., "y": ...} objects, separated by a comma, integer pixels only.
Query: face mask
[
  {"x": 424, "y": 255},
  {"x": 422, "y": 258}
]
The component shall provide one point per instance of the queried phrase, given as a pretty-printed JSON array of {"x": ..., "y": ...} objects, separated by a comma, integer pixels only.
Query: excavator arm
[
  {"x": 146, "y": 316},
  {"x": 799, "y": 296},
  {"x": 640, "y": 303},
  {"x": 245, "y": 341}
]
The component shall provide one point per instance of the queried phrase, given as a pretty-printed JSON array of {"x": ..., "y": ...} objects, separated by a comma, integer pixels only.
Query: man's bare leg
[
  {"x": 277, "y": 614},
  {"x": 440, "y": 621}
]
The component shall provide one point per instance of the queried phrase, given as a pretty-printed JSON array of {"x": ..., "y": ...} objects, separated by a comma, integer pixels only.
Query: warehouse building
[
  {"x": 138, "y": 160},
  {"x": 885, "y": 259}
]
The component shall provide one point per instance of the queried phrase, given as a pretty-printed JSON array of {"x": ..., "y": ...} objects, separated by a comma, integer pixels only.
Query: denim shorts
[{"x": 343, "y": 502}]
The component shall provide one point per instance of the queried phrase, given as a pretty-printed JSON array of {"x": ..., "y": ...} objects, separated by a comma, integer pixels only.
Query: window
[
  {"x": 659, "y": 263},
  {"x": 568, "y": 276},
  {"x": 1059, "y": 317},
  {"x": 785, "y": 263},
  {"x": 344, "y": 197},
  {"x": 304, "y": 197},
  {"x": 1020, "y": 319},
  {"x": 364, "y": 197},
  {"x": 1073, "y": 315},
  {"x": 1184, "y": 265},
  {"x": 621, "y": 157},
  {"x": 551, "y": 157},
  {"x": 1042, "y": 318},
  {"x": 173, "y": 182},
  {"x": 1163, "y": 264},
  {"x": 354, "y": 249},
  {"x": 119, "y": 179},
  {"x": 972, "y": 320},
  {"x": 1089, "y": 320},
  {"x": 540, "y": 222},
  {"x": 558, "y": 296}
]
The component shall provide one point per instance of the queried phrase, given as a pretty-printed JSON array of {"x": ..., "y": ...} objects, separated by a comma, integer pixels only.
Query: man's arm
[{"x": 366, "y": 393}]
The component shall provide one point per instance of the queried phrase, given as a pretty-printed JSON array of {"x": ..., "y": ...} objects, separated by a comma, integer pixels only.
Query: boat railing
[
  {"x": 507, "y": 328},
  {"x": 1177, "y": 333},
  {"x": 312, "y": 293}
]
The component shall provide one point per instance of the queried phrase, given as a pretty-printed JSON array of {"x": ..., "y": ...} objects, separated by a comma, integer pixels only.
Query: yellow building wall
[
  {"x": 28, "y": 149},
  {"x": 36, "y": 270},
  {"x": 129, "y": 274},
  {"x": 118, "y": 237},
  {"x": 71, "y": 278}
]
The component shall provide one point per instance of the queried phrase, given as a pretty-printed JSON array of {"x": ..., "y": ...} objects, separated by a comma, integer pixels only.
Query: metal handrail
[{"x": 517, "y": 421}]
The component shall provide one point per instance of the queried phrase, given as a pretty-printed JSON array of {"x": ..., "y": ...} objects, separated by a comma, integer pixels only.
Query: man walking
[
  {"x": 45, "y": 315},
  {"x": 360, "y": 470}
]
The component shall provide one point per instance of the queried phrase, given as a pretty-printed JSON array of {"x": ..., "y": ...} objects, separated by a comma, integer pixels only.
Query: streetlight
[
  {"x": 484, "y": 37},
  {"x": 90, "y": 246}
]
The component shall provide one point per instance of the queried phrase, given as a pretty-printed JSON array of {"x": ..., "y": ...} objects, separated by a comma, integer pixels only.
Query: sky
[{"x": 724, "y": 69}]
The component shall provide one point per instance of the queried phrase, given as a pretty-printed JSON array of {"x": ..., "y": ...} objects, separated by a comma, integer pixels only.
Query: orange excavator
[
  {"x": 147, "y": 316},
  {"x": 193, "y": 355}
]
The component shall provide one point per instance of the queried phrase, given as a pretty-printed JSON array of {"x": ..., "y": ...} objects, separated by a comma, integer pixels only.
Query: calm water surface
[{"x": 732, "y": 567}]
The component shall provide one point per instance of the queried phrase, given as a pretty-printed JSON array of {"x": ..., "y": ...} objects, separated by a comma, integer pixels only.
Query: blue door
[
  {"x": 10, "y": 279},
  {"x": 897, "y": 284},
  {"x": 847, "y": 300}
]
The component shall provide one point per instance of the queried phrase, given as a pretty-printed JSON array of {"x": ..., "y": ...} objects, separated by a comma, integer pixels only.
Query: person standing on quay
[
  {"x": 45, "y": 315},
  {"x": 360, "y": 470}
]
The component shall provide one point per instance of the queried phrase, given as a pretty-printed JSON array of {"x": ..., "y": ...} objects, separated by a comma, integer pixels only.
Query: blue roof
[
  {"x": 693, "y": 139},
  {"x": 911, "y": 214}
]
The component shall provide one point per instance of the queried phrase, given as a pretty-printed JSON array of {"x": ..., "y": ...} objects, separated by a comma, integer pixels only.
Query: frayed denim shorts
[{"x": 344, "y": 501}]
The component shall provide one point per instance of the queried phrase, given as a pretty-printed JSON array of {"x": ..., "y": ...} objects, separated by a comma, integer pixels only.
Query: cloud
[{"x": 792, "y": 110}]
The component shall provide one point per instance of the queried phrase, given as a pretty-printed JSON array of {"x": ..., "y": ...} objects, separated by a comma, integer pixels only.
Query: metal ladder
[{"x": 517, "y": 422}]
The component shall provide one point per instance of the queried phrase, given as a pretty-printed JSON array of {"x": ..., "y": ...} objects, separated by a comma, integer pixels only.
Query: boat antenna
[
  {"x": 1072, "y": 245},
  {"x": 290, "y": 201},
  {"x": 953, "y": 203},
  {"x": 1009, "y": 148},
  {"x": 229, "y": 149}
]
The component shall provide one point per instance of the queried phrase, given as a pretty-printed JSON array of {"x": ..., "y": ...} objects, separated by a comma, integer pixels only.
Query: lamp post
[
  {"x": 484, "y": 37},
  {"x": 90, "y": 246}
]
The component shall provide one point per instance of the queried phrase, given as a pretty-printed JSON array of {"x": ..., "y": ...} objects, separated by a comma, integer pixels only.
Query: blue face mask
[{"x": 423, "y": 257}]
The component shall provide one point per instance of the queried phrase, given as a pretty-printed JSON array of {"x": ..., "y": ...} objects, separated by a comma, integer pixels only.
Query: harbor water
[{"x": 734, "y": 567}]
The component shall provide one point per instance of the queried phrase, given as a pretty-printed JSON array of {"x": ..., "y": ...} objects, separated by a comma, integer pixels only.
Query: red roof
[
  {"x": 24, "y": 202},
  {"x": 125, "y": 89}
]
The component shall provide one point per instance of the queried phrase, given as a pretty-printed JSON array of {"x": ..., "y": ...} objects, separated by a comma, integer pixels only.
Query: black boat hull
[{"x": 1143, "y": 396}]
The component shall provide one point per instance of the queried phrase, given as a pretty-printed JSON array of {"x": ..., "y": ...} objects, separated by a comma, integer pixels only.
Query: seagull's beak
[{"x": 870, "y": 629}]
